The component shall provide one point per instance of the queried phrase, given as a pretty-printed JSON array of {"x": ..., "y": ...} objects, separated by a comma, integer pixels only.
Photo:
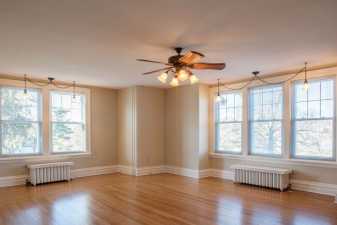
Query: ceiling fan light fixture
[
  {"x": 163, "y": 77},
  {"x": 174, "y": 82},
  {"x": 182, "y": 75},
  {"x": 194, "y": 79}
]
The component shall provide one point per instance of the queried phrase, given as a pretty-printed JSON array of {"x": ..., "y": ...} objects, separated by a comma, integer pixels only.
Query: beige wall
[
  {"x": 126, "y": 126},
  {"x": 181, "y": 126},
  {"x": 203, "y": 126},
  {"x": 150, "y": 126},
  {"x": 103, "y": 136}
]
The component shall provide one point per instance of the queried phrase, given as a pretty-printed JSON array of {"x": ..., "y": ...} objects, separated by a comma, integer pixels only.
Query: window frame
[
  {"x": 293, "y": 121},
  {"x": 40, "y": 123},
  {"x": 216, "y": 123},
  {"x": 50, "y": 124},
  {"x": 45, "y": 153},
  {"x": 249, "y": 121}
]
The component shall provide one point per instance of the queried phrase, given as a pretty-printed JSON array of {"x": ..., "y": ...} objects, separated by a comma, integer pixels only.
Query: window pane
[
  {"x": 314, "y": 132},
  {"x": 327, "y": 108},
  {"x": 66, "y": 108},
  {"x": 229, "y": 137},
  {"x": 230, "y": 114},
  {"x": 68, "y": 122},
  {"x": 20, "y": 138},
  {"x": 18, "y": 106},
  {"x": 268, "y": 112},
  {"x": 277, "y": 111},
  {"x": 68, "y": 137},
  {"x": 301, "y": 110},
  {"x": 314, "y": 109},
  {"x": 314, "y": 91},
  {"x": 238, "y": 100},
  {"x": 230, "y": 100},
  {"x": 229, "y": 109},
  {"x": 238, "y": 114},
  {"x": 228, "y": 123},
  {"x": 277, "y": 97},
  {"x": 222, "y": 114},
  {"x": 300, "y": 93},
  {"x": 266, "y": 137},
  {"x": 266, "y": 103},
  {"x": 327, "y": 89},
  {"x": 257, "y": 113},
  {"x": 265, "y": 130},
  {"x": 314, "y": 138}
]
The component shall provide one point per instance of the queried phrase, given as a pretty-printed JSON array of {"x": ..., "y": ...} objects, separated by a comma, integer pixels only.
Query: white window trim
[
  {"x": 214, "y": 124},
  {"x": 250, "y": 152},
  {"x": 46, "y": 153},
  {"x": 292, "y": 147},
  {"x": 285, "y": 158},
  {"x": 50, "y": 146}
]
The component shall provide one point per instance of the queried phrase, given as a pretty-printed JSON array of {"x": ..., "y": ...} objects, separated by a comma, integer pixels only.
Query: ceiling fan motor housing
[{"x": 175, "y": 60}]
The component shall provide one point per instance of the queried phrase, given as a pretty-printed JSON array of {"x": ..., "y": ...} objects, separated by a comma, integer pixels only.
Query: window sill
[
  {"x": 298, "y": 162},
  {"x": 41, "y": 158}
]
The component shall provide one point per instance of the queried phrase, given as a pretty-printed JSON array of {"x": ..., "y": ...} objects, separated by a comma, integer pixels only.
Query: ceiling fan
[{"x": 180, "y": 66}]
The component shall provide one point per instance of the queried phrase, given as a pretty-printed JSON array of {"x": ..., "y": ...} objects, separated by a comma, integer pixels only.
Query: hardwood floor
[{"x": 160, "y": 199}]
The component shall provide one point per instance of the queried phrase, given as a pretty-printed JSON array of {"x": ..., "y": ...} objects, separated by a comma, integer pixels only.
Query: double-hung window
[
  {"x": 68, "y": 122},
  {"x": 21, "y": 120},
  {"x": 313, "y": 120},
  {"x": 265, "y": 120},
  {"x": 228, "y": 123}
]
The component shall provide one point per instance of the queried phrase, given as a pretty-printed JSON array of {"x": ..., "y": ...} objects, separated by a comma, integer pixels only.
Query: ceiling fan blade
[
  {"x": 154, "y": 71},
  {"x": 151, "y": 61},
  {"x": 191, "y": 57},
  {"x": 208, "y": 66}
]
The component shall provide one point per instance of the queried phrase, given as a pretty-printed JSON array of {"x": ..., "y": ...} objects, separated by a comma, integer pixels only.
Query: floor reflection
[
  {"x": 229, "y": 211},
  {"x": 71, "y": 209},
  {"x": 31, "y": 214}
]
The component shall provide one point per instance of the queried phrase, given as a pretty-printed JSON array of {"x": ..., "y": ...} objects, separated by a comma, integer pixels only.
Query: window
[
  {"x": 228, "y": 118},
  {"x": 68, "y": 122},
  {"x": 313, "y": 120},
  {"x": 20, "y": 121},
  {"x": 265, "y": 120}
]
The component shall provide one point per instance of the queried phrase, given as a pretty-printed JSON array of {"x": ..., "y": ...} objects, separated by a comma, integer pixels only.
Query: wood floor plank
[{"x": 160, "y": 199}]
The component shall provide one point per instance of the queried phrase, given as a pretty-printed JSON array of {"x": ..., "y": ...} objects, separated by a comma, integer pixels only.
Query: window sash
[
  {"x": 13, "y": 122},
  {"x": 311, "y": 157},
  {"x": 251, "y": 119},
  {"x": 217, "y": 139},
  {"x": 294, "y": 120},
  {"x": 82, "y": 123},
  {"x": 40, "y": 138},
  {"x": 218, "y": 122}
]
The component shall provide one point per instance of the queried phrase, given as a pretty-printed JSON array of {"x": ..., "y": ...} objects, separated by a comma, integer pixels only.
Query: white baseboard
[
  {"x": 76, "y": 173},
  {"x": 127, "y": 170},
  {"x": 94, "y": 171},
  {"x": 181, "y": 171},
  {"x": 300, "y": 185},
  {"x": 223, "y": 174},
  {"x": 13, "y": 180},
  {"x": 150, "y": 170},
  {"x": 315, "y": 187}
]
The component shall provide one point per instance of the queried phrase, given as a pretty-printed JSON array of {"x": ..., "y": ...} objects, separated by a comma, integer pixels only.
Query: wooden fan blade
[
  {"x": 191, "y": 57},
  {"x": 151, "y": 61},
  {"x": 154, "y": 71},
  {"x": 208, "y": 66}
]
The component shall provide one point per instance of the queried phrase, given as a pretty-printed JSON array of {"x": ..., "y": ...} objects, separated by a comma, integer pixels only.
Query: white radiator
[
  {"x": 49, "y": 172},
  {"x": 262, "y": 176}
]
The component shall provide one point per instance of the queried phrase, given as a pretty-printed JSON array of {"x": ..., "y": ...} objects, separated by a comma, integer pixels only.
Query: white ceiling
[{"x": 97, "y": 41}]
